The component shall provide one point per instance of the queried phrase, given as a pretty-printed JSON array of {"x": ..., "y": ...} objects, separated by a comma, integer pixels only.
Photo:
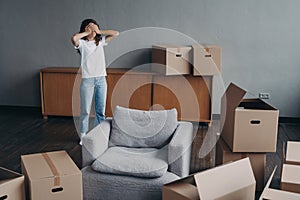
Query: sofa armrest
[
  {"x": 95, "y": 142},
  {"x": 179, "y": 153}
]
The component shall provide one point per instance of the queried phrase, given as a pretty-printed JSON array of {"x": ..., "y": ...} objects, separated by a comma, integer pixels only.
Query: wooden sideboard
[
  {"x": 56, "y": 85},
  {"x": 145, "y": 90}
]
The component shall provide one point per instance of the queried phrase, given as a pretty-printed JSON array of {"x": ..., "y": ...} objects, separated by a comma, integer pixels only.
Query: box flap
[
  {"x": 229, "y": 102},
  {"x": 290, "y": 174},
  {"x": 269, "y": 193},
  {"x": 233, "y": 180},
  {"x": 234, "y": 95},
  {"x": 292, "y": 152},
  {"x": 37, "y": 166}
]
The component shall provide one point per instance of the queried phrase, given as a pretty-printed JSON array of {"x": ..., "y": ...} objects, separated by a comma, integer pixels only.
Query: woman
[{"x": 90, "y": 42}]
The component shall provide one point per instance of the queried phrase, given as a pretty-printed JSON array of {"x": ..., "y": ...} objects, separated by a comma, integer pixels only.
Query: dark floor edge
[{"x": 214, "y": 116}]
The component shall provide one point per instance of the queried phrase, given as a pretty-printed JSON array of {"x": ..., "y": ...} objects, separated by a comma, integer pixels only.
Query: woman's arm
[
  {"x": 110, "y": 34},
  {"x": 76, "y": 37}
]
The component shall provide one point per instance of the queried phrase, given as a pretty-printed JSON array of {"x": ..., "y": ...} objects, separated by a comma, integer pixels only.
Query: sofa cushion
[
  {"x": 138, "y": 128},
  {"x": 139, "y": 162},
  {"x": 107, "y": 186}
]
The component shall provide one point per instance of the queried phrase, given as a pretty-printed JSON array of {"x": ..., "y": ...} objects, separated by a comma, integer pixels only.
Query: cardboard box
[
  {"x": 292, "y": 153},
  {"x": 11, "y": 185},
  {"x": 230, "y": 181},
  {"x": 171, "y": 60},
  {"x": 206, "y": 60},
  {"x": 248, "y": 125},
  {"x": 52, "y": 175},
  {"x": 258, "y": 161},
  {"x": 290, "y": 178},
  {"x": 274, "y": 194}
]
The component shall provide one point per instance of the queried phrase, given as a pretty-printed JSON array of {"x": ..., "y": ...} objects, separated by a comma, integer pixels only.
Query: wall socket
[{"x": 264, "y": 95}]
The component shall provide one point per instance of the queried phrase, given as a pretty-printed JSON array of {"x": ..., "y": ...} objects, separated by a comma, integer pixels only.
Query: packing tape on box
[{"x": 53, "y": 169}]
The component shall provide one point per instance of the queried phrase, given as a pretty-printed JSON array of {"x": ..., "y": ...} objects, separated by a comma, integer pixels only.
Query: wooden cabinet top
[
  {"x": 60, "y": 70},
  {"x": 76, "y": 70},
  {"x": 128, "y": 71}
]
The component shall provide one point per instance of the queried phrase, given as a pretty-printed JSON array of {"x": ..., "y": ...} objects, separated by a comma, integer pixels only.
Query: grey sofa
[{"x": 113, "y": 184}]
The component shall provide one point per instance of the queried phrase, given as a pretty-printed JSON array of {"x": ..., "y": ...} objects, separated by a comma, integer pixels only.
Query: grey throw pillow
[
  {"x": 139, "y": 162},
  {"x": 138, "y": 128}
]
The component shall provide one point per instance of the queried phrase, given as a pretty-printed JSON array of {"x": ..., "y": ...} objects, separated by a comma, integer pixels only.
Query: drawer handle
[
  {"x": 208, "y": 56},
  {"x": 59, "y": 189},
  {"x": 255, "y": 122},
  {"x": 178, "y": 55},
  {"x": 3, "y": 197}
]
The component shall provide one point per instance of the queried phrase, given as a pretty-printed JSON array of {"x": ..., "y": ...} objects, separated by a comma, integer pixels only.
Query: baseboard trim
[
  {"x": 214, "y": 116},
  {"x": 281, "y": 119}
]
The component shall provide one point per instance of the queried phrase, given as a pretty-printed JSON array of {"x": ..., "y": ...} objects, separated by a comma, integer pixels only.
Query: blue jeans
[{"x": 90, "y": 87}]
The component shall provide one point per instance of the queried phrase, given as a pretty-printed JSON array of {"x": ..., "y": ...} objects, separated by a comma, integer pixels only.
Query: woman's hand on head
[
  {"x": 88, "y": 29},
  {"x": 95, "y": 28}
]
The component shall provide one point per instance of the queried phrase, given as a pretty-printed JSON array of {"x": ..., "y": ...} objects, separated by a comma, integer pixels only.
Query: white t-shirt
[{"x": 92, "y": 58}]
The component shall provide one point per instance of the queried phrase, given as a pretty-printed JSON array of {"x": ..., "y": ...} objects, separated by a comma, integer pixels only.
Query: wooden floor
[{"x": 24, "y": 131}]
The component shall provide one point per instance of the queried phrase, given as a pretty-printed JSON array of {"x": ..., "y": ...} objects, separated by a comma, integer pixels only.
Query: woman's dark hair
[{"x": 86, "y": 22}]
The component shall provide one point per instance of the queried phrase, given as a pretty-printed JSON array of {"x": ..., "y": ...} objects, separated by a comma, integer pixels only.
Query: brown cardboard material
[
  {"x": 234, "y": 180},
  {"x": 171, "y": 60},
  {"x": 248, "y": 125},
  {"x": 292, "y": 153},
  {"x": 258, "y": 161},
  {"x": 274, "y": 194},
  {"x": 206, "y": 60},
  {"x": 52, "y": 175},
  {"x": 184, "y": 189},
  {"x": 11, "y": 185},
  {"x": 290, "y": 178}
]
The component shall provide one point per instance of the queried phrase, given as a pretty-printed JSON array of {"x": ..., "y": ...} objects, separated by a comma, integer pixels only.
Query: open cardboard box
[
  {"x": 52, "y": 175},
  {"x": 258, "y": 161},
  {"x": 11, "y": 185},
  {"x": 290, "y": 173},
  {"x": 206, "y": 60},
  {"x": 274, "y": 194},
  {"x": 248, "y": 125},
  {"x": 234, "y": 180},
  {"x": 171, "y": 59}
]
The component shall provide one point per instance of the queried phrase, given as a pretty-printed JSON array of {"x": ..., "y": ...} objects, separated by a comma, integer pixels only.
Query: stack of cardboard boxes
[
  {"x": 198, "y": 60},
  {"x": 275, "y": 194},
  {"x": 249, "y": 129},
  {"x": 290, "y": 173},
  {"x": 290, "y": 176}
]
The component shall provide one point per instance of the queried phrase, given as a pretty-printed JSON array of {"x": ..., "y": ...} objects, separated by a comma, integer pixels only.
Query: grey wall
[{"x": 260, "y": 40}]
